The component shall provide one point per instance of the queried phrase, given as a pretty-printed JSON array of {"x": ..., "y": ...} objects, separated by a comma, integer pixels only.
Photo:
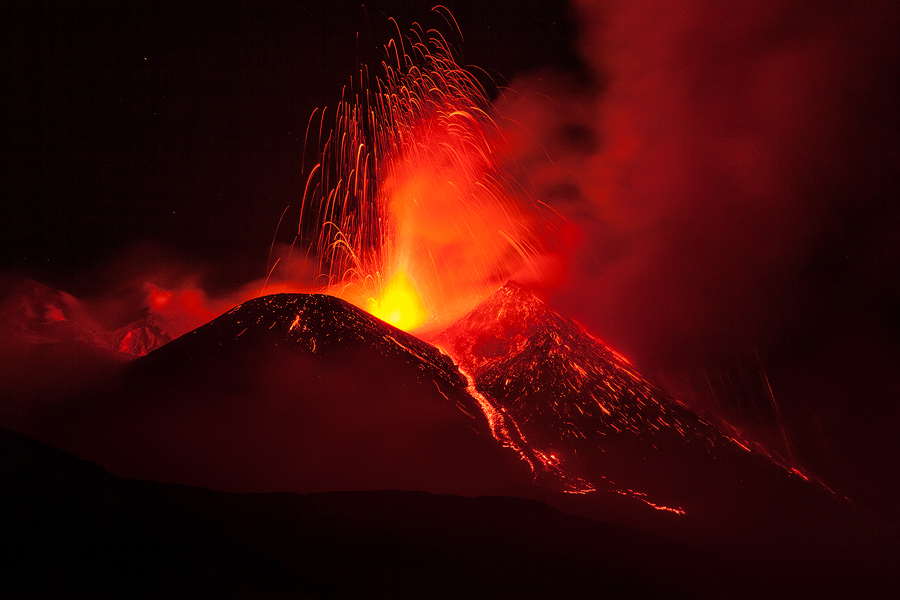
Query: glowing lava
[
  {"x": 399, "y": 304},
  {"x": 412, "y": 213}
]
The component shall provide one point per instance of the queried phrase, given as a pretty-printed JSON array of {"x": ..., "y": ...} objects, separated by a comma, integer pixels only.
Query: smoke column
[{"x": 733, "y": 170}]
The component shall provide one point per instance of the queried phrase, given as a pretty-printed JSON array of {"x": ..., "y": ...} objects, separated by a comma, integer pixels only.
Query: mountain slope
[
  {"x": 291, "y": 392},
  {"x": 306, "y": 393},
  {"x": 577, "y": 402},
  {"x": 519, "y": 352}
]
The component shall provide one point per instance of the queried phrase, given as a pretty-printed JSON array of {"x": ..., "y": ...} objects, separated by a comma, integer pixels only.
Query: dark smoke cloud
[{"x": 733, "y": 169}]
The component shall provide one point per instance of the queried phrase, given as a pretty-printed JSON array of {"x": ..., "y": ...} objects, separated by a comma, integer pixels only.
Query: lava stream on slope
[{"x": 585, "y": 412}]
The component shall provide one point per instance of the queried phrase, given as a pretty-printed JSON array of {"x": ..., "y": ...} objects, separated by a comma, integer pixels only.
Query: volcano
[
  {"x": 299, "y": 392},
  {"x": 585, "y": 408},
  {"x": 582, "y": 404},
  {"x": 567, "y": 392},
  {"x": 308, "y": 393},
  {"x": 558, "y": 381}
]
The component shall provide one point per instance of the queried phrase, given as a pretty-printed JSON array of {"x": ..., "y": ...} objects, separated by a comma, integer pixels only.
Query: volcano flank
[
  {"x": 288, "y": 392},
  {"x": 580, "y": 402},
  {"x": 308, "y": 393}
]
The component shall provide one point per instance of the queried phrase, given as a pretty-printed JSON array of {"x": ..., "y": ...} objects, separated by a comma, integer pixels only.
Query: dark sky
[
  {"x": 732, "y": 168},
  {"x": 183, "y": 123}
]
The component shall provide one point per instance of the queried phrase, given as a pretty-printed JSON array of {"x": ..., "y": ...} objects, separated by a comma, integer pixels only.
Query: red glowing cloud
[
  {"x": 733, "y": 168},
  {"x": 414, "y": 211},
  {"x": 710, "y": 163}
]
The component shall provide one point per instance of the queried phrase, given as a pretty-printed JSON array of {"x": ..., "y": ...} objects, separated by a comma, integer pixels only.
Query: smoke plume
[
  {"x": 732, "y": 168},
  {"x": 723, "y": 163}
]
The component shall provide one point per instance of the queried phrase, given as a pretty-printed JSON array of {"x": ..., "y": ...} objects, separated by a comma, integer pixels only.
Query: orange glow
[
  {"x": 499, "y": 422},
  {"x": 416, "y": 177},
  {"x": 399, "y": 304}
]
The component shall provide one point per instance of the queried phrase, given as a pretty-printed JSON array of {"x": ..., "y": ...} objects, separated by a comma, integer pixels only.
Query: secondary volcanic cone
[{"x": 590, "y": 415}]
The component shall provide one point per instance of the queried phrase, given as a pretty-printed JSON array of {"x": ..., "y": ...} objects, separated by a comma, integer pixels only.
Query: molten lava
[
  {"x": 412, "y": 209},
  {"x": 399, "y": 304}
]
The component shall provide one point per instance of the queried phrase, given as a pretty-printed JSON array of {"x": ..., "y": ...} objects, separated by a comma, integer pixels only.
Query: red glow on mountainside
[
  {"x": 499, "y": 423},
  {"x": 414, "y": 215},
  {"x": 548, "y": 389},
  {"x": 187, "y": 304}
]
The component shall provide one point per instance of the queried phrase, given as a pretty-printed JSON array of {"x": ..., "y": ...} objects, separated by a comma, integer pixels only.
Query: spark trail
[{"x": 411, "y": 210}]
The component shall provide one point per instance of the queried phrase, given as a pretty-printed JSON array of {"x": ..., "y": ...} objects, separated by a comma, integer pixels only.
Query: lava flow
[{"x": 413, "y": 213}]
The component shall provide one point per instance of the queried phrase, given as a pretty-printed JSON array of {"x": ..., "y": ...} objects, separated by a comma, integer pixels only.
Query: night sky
[
  {"x": 183, "y": 125},
  {"x": 732, "y": 169}
]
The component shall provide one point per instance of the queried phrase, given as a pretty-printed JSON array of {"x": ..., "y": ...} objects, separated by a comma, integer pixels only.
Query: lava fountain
[{"x": 411, "y": 210}]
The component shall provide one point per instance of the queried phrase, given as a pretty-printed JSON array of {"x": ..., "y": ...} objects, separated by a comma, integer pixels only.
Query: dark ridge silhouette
[{"x": 73, "y": 530}]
